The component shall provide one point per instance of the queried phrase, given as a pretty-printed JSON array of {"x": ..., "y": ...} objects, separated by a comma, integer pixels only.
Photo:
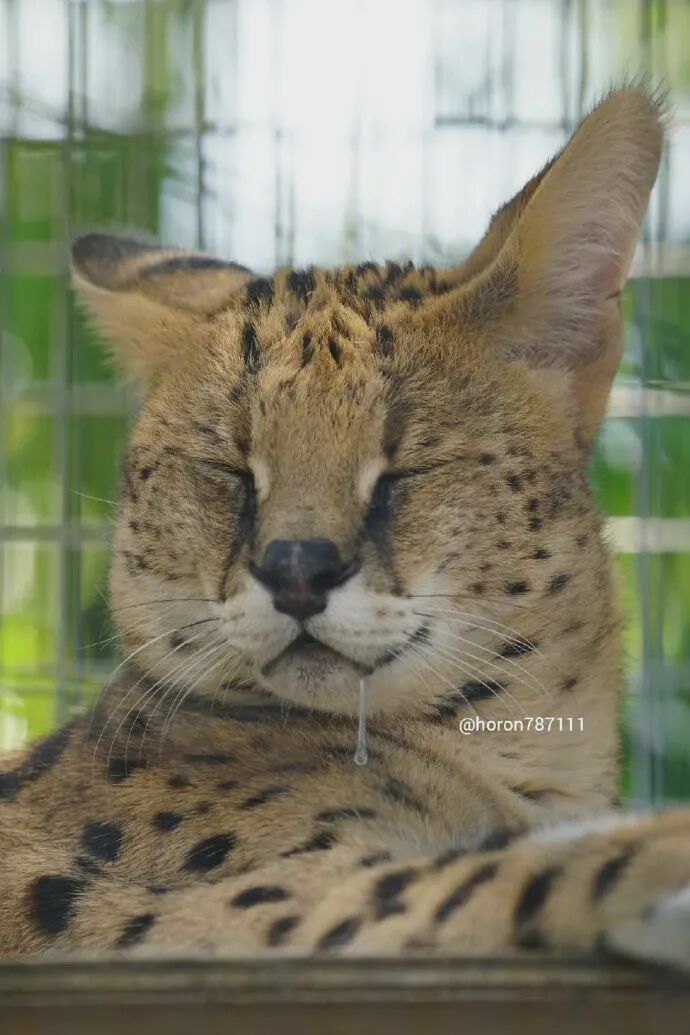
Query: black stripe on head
[
  {"x": 334, "y": 350},
  {"x": 301, "y": 282},
  {"x": 307, "y": 349},
  {"x": 384, "y": 342},
  {"x": 250, "y": 348},
  {"x": 260, "y": 290}
]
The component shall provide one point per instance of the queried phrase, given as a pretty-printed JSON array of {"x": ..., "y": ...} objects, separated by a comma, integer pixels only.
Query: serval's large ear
[
  {"x": 544, "y": 285},
  {"x": 150, "y": 302}
]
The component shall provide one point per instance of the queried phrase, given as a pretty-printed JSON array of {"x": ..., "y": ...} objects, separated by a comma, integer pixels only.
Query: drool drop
[{"x": 361, "y": 756}]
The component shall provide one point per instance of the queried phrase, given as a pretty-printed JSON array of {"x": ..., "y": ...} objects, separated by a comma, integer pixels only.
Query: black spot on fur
[
  {"x": 607, "y": 875},
  {"x": 559, "y": 582},
  {"x": 259, "y": 895},
  {"x": 301, "y": 282},
  {"x": 514, "y": 482},
  {"x": 280, "y": 929},
  {"x": 541, "y": 554},
  {"x": 349, "y": 812},
  {"x": 516, "y": 588},
  {"x": 497, "y": 839},
  {"x": 402, "y": 794},
  {"x": 102, "y": 840},
  {"x": 165, "y": 821},
  {"x": 535, "y": 523},
  {"x": 227, "y": 785},
  {"x": 375, "y": 859},
  {"x": 516, "y": 648},
  {"x": 40, "y": 759},
  {"x": 475, "y": 691},
  {"x": 134, "y": 930},
  {"x": 52, "y": 902},
  {"x": 487, "y": 458},
  {"x": 262, "y": 797},
  {"x": 319, "y": 843},
  {"x": 448, "y": 857},
  {"x": 260, "y": 290},
  {"x": 339, "y": 935},
  {"x": 534, "y": 896},
  {"x": 209, "y": 853},
  {"x": 250, "y": 348},
  {"x": 88, "y": 865},
  {"x": 178, "y": 642},
  {"x": 178, "y": 782},
  {"x": 119, "y": 769},
  {"x": 462, "y": 894},
  {"x": 146, "y": 472},
  {"x": 569, "y": 683},
  {"x": 387, "y": 891}
]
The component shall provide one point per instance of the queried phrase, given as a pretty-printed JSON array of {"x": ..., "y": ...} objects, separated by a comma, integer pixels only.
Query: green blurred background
[{"x": 298, "y": 131}]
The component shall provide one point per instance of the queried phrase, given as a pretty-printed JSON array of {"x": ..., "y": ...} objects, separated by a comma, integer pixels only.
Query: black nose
[{"x": 300, "y": 572}]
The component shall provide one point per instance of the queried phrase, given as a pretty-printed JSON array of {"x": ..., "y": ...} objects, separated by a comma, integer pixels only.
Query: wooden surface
[{"x": 339, "y": 997}]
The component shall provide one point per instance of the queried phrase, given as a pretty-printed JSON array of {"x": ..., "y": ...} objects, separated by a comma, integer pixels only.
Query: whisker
[
  {"x": 121, "y": 704},
  {"x": 180, "y": 671},
  {"x": 152, "y": 690},
  {"x": 96, "y": 499},
  {"x": 415, "y": 648},
  {"x": 475, "y": 674},
  {"x": 148, "y": 643},
  {"x": 223, "y": 660},
  {"x": 528, "y": 678},
  {"x": 195, "y": 669},
  {"x": 165, "y": 600},
  {"x": 478, "y": 619}
]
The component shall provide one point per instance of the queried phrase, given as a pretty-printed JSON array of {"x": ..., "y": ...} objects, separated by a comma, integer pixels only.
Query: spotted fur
[{"x": 432, "y": 428}]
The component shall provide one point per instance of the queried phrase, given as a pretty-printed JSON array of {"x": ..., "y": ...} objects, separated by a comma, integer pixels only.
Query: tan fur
[{"x": 211, "y": 800}]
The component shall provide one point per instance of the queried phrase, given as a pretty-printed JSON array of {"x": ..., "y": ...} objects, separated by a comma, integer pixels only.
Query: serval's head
[{"x": 377, "y": 471}]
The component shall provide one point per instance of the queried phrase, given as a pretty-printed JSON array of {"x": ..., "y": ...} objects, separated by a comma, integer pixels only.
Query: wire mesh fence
[{"x": 314, "y": 131}]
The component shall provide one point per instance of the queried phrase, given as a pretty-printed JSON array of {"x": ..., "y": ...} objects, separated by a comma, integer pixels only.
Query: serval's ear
[
  {"x": 150, "y": 302},
  {"x": 544, "y": 285}
]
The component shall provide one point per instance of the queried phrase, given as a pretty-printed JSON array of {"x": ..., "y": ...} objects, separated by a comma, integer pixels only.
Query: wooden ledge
[{"x": 412, "y": 996}]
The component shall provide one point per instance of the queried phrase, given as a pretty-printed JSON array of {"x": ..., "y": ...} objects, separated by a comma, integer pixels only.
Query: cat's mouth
[{"x": 306, "y": 651}]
